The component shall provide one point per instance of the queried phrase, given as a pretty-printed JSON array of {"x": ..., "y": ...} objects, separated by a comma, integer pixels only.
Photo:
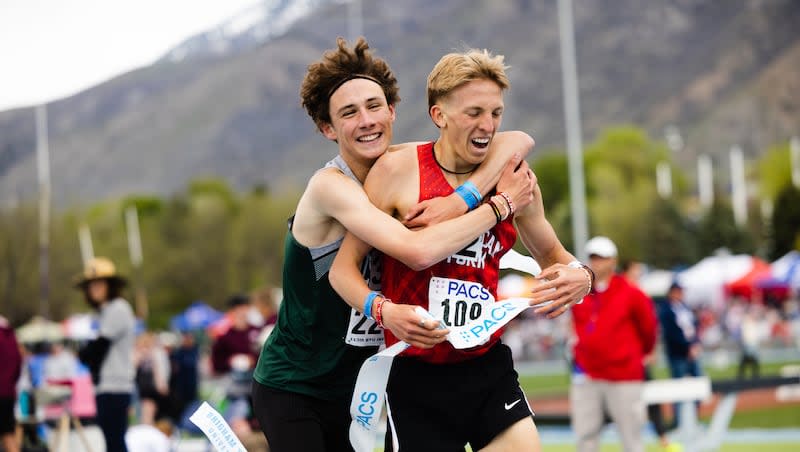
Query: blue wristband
[
  {"x": 470, "y": 194},
  {"x": 368, "y": 304}
]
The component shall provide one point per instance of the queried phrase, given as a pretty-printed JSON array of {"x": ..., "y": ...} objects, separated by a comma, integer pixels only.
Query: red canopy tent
[{"x": 745, "y": 286}]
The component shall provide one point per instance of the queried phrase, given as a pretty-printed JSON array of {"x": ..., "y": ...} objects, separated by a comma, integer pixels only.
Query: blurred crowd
[
  {"x": 740, "y": 326},
  {"x": 213, "y": 359},
  {"x": 175, "y": 370}
]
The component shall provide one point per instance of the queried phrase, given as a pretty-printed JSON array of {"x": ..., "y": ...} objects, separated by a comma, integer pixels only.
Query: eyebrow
[{"x": 371, "y": 99}]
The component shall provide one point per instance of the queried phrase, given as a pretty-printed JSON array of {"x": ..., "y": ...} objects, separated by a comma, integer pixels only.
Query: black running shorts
[
  {"x": 442, "y": 407},
  {"x": 299, "y": 423}
]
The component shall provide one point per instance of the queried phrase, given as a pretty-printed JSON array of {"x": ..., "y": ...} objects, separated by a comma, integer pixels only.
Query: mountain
[
  {"x": 724, "y": 72},
  {"x": 246, "y": 30}
]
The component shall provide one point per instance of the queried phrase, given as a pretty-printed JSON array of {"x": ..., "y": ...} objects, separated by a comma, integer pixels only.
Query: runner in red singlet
[{"x": 439, "y": 398}]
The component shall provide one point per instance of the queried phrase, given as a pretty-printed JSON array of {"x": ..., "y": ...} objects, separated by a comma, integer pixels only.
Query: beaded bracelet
[
  {"x": 508, "y": 200},
  {"x": 379, "y": 311},
  {"x": 368, "y": 304},
  {"x": 470, "y": 194}
]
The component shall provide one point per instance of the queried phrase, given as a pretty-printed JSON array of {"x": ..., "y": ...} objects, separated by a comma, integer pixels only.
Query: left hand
[
  {"x": 561, "y": 284},
  {"x": 435, "y": 210}
]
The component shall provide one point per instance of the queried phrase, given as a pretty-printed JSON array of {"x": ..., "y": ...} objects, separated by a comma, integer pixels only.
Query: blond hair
[{"x": 456, "y": 69}]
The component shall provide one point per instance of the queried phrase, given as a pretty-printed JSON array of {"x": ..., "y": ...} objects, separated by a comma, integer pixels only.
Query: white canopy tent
[{"x": 703, "y": 283}]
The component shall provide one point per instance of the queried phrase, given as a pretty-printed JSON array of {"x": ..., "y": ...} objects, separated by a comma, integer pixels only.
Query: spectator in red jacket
[
  {"x": 615, "y": 328},
  {"x": 9, "y": 373}
]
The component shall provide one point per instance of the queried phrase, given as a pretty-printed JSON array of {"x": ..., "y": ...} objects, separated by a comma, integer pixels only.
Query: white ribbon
[{"x": 215, "y": 428}]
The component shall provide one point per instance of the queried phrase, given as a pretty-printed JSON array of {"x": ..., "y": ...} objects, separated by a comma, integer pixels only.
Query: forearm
[
  {"x": 541, "y": 241},
  {"x": 419, "y": 249},
  {"x": 345, "y": 274},
  {"x": 434, "y": 243}
]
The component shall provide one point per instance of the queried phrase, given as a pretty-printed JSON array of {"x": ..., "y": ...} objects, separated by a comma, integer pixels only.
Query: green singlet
[{"x": 307, "y": 352}]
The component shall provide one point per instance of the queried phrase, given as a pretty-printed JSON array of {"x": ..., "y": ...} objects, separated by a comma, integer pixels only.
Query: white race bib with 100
[{"x": 457, "y": 302}]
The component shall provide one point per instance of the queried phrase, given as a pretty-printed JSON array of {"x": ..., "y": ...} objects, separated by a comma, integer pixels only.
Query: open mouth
[
  {"x": 369, "y": 138},
  {"x": 480, "y": 143}
]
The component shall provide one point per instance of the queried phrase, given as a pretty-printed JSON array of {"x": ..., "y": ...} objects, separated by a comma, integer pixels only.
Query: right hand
[
  {"x": 434, "y": 210},
  {"x": 518, "y": 181},
  {"x": 404, "y": 323}
]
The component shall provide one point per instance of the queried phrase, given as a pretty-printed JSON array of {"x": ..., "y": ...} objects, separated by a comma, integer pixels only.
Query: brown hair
[
  {"x": 456, "y": 69},
  {"x": 338, "y": 66}
]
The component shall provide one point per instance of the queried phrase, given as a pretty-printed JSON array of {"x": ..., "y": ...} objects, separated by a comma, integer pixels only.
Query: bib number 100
[{"x": 460, "y": 312}]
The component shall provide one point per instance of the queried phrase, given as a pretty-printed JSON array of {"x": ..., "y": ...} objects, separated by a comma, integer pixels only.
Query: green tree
[
  {"x": 775, "y": 171},
  {"x": 666, "y": 239},
  {"x": 717, "y": 229},
  {"x": 786, "y": 222},
  {"x": 620, "y": 180}
]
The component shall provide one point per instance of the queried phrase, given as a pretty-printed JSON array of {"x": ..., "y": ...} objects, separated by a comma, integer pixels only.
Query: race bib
[
  {"x": 363, "y": 332},
  {"x": 457, "y": 302}
]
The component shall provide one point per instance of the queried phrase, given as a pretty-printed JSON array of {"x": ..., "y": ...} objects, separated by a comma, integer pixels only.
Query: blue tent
[
  {"x": 198, "y": 316},
  {"x": 785, "y": 273}
]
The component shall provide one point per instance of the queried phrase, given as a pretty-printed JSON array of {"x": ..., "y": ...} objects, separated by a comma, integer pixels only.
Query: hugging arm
[{"x": 505, "y": 147}]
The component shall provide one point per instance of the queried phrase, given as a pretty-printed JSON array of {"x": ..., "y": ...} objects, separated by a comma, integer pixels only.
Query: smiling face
[
  {"x": 468, "y": 117},
  {"x": 361, "y": 120}
]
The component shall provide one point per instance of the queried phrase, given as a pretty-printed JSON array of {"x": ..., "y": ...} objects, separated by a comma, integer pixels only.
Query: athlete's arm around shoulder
[{"x": 391, "y": 182}]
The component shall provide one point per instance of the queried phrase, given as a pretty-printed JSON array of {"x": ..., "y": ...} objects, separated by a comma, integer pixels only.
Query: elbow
[
  {"x": 334, "y": 277},
  {"x": 530, "y": 142},
  {"x": 418, "y": 259},
  {"x": 526, "y": 143}
]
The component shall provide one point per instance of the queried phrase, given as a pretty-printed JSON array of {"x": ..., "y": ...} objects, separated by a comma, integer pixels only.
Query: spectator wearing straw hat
[{"x": 109, "y": 357}]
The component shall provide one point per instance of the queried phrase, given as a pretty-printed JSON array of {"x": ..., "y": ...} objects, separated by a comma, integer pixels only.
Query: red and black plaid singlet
[{"x": 478, "y": 262}]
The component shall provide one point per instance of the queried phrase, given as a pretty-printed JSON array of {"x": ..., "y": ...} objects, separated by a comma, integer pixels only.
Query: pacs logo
[
  {"x": 472, "y": 291},
  {"x": 366, "y": 409},
  {"x": 479, "y": 331}
]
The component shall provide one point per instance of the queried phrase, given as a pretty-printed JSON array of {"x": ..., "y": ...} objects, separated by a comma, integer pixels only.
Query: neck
[
  {"x": 359, "y": 167},
  {"x": 449, "y": 162}
]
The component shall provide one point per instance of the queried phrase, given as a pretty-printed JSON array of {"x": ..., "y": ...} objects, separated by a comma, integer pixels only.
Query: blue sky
[{"x": 50, "y": 49}]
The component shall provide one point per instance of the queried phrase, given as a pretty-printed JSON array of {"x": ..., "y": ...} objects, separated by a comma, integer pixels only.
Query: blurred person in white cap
[
  {"x": 615, "y": 329},
  {"x": 109, "y": 357}
]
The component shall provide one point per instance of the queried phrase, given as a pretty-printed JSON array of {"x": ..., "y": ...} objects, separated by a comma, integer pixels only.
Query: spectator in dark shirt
[
  {"x": 237, "y": 346},
  {"x": 184, "y": 379},
  {"x": 679, "y": 327},
  {"x": 235, "y": 354}
]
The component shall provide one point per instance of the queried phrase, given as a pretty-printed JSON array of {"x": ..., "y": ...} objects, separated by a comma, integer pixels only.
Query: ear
[
  {"x": 328, "y": 131},
  {"x": 438, "y": 116},
  {"x": 392, "y": 112}
]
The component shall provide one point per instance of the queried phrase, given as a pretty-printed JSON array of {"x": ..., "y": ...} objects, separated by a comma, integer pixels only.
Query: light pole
[
  {"x": 135, "y": 252},
  {"x": 572, "y": 117},
  {"x": 705, "y": 180},
  {"x": 738, "y": 187},
  {"x": 43, "y": 173}
]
